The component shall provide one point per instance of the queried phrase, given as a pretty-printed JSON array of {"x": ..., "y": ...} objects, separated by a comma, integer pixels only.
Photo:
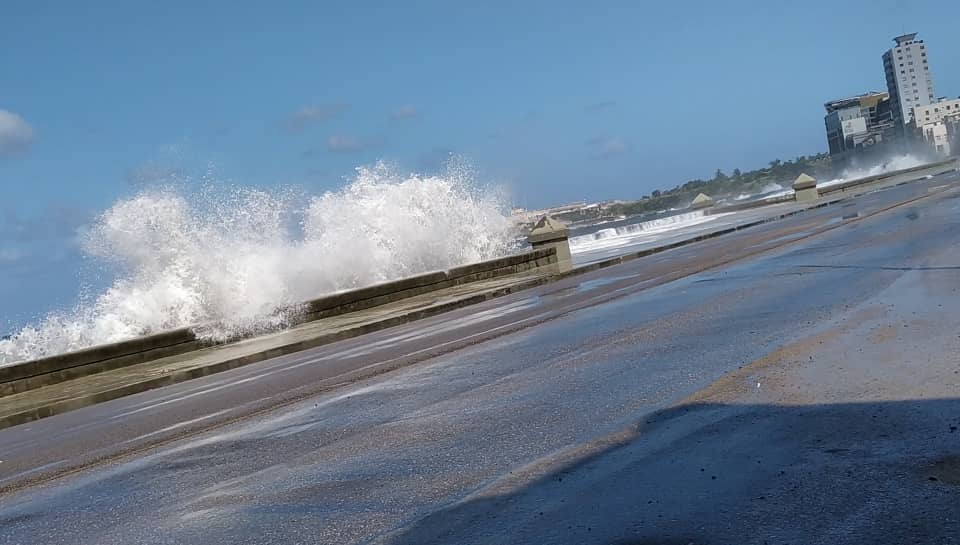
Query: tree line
[{"x": 722, "y": 184}]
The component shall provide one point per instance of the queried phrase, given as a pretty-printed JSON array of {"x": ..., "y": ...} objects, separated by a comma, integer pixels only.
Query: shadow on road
[{"x": 877, "y": 473}]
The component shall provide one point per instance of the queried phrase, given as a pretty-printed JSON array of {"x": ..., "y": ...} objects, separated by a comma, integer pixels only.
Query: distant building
[
  {"x": 909, "y": 82},
  {"x": 855, "y": 125},
  {"x": 941, "y": 110},
  {"x": 938, "y": 125}
]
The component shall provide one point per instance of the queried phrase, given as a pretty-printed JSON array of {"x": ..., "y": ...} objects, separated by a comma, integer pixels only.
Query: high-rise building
[{"x": 909, "y": 82}]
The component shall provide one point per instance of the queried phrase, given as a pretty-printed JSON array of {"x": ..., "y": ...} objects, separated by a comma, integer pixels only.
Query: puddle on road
[
  {"x": 600, "y": 282},
  {"x": 584, "y": 286},
  {"x": 945, "y": 470},
  {"x": 780, "y": 240}
]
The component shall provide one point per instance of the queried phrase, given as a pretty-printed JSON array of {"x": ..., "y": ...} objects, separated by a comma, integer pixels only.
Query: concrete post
[
  {"x": 805, "y": 188},
  {"x": 551, "y": 233},
  {"x": 702, "y": 201}
]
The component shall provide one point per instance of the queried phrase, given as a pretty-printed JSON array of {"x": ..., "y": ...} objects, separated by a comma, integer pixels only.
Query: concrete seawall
[
  {"x": 34, "y": 374},
  {"x": 890, "y": 178},
  {"x": 346, "y": 315},
  {"x": 859, "y": 185}
]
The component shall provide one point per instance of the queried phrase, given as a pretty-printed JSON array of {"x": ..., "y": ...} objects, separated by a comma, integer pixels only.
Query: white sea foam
[
  {"x": 895, "y": 163},
  {"x": 892, "y": 164},
  {"x": 232, "y": 258},
  {"x": 768, "y": 190},
  {"x": 633, "y": 233}
]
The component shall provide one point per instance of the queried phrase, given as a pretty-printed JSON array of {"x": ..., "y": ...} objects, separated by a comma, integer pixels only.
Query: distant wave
[
  {"x": 766, "y": 191},
  {"x": 627, "y": 234},
  {"x": 899, "y": 162}
]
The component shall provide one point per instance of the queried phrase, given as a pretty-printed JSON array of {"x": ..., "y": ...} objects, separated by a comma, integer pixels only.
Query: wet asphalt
[{"x": 807, "y": 391}]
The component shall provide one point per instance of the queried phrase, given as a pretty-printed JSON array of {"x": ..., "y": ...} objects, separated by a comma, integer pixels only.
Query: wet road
[{"x": 803, "y": 394}]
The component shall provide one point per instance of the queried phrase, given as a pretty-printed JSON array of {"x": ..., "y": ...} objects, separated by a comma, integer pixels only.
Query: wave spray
[{"x": 240, "y": 260}]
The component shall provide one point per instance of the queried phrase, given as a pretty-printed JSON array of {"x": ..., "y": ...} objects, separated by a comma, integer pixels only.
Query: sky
[{"x": 556, "y": 101}]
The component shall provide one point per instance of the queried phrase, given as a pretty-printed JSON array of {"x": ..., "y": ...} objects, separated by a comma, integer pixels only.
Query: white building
[
  {"x": 937, "y": 124},
  {"x": 937, "y": 135},
  {"x": 938, "y": 111},
  {"x": 909, "y": 82}
]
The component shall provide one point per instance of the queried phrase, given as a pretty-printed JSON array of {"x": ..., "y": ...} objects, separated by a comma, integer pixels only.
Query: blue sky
[{"x": 558, "y": 101}]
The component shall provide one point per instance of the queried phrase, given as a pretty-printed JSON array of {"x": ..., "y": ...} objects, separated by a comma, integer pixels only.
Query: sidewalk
[{"x": 97, "y": 388}]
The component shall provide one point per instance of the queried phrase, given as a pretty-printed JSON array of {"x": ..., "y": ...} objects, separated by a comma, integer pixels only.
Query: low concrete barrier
[
  {"x": 33, "y": 374},
  {"x": 28, "y": 375},
  {"x": 550, "y": 233},
  {"x": 388, "y": 292},
  {"x": 891, "y": 178},
  {"x": 878, "y": 181}
]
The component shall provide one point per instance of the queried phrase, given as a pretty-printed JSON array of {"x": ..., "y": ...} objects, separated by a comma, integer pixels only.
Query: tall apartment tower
[{"x": 908, "y": 78}]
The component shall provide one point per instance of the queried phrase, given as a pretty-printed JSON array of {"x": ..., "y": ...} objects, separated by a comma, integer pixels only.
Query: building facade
[
  {"x": 909, "y": 82},
  {"x": 858, "y": 124},
  {"x": 938, "y": 125},
  {"x": 941, "y": 110}
]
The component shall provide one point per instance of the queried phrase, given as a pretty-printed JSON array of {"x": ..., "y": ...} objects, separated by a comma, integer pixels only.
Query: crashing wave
[{"x": 233, "y": 258}]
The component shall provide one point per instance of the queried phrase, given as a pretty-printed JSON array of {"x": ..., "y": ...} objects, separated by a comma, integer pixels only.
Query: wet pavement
[{"x": 801, "y": 393}]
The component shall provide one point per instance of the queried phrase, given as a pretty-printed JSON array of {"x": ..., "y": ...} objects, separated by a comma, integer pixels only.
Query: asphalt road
[{"x": 796, "y": 382}]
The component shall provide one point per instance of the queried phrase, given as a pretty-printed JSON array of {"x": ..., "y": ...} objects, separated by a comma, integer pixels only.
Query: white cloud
[
  {"x": 600, "y": 106},
  {"x": 9, "y": 255},
  {"x": 16, "y": 135},
  {"x": 404, "y": 112},
  {"x": 348, "y": 144},
  {"x": 340, "y": 143},
  {"x": 312, "y": 115},
  {"x": 603, "y": 147}
]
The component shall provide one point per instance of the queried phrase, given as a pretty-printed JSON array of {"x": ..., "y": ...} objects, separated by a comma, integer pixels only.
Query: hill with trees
[{"x": 722, "y": 184}]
